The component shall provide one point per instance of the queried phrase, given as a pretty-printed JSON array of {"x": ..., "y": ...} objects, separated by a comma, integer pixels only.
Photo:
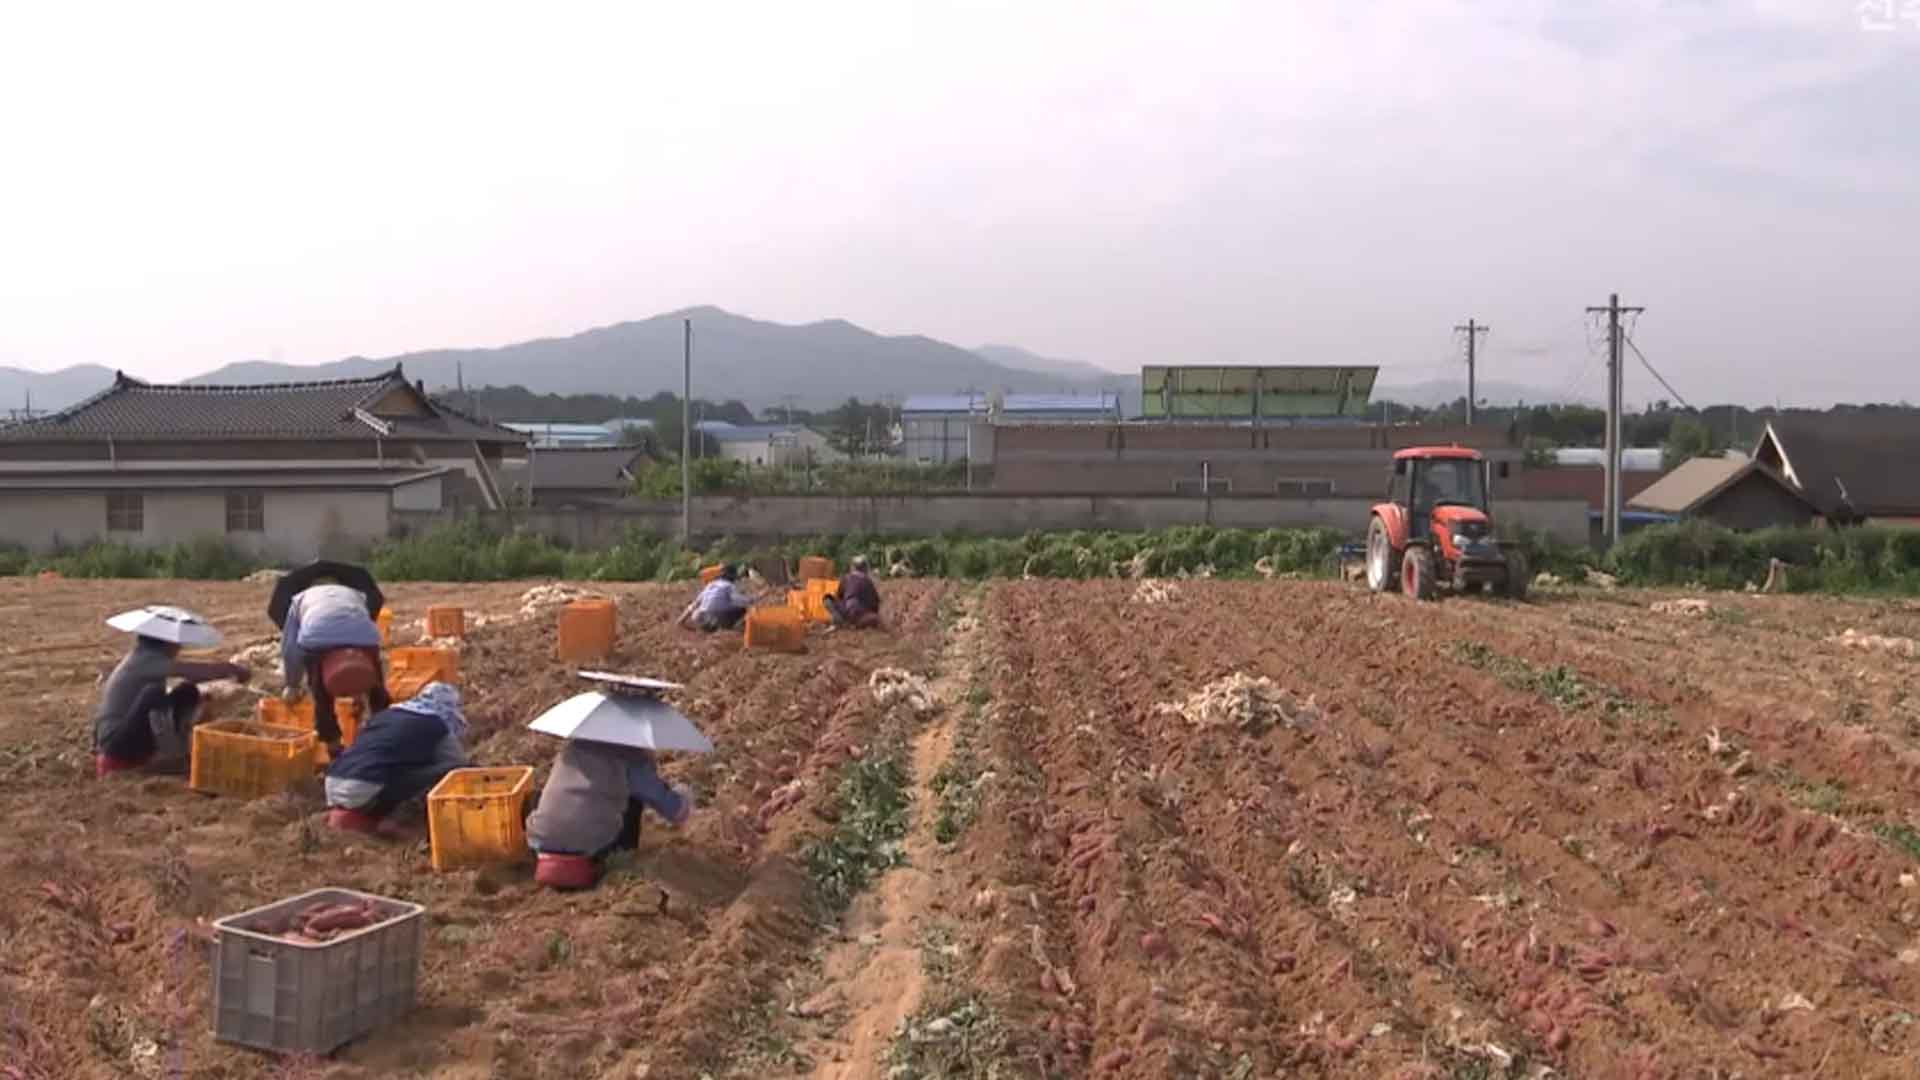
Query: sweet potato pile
[{"x": 326, "y": 921}]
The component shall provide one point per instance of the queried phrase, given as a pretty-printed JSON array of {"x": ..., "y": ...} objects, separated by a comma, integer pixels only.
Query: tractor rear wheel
[
  {"x": 1519, "y": 576},
  {"x": 1416, "y": 573},
  {"x": 1383, "y": 563}
]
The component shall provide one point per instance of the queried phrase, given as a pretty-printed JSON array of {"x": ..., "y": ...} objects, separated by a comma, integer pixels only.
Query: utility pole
[
  {"x": 1611, "y": 512},
  {"x": 686, "y": 437},
  {"x": 1473, "y": 331}
]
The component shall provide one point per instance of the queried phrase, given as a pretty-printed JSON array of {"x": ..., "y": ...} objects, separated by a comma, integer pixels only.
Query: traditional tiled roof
[{"x": 333, "y": 409}]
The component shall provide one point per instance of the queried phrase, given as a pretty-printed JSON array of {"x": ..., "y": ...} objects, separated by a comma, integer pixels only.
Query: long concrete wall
[
  {"x": 782, "y": 516},
  {"x": 300, "y": 525}
]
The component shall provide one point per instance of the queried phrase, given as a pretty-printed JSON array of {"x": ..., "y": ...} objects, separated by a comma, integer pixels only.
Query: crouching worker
[
  {"x": 591, "y": 808},
  {"x": 858, "y": 604},
  {"x": 721, "y": 605},
  {"x": 331, "y": 644},
  {"x": 141, "y": 722},
  {"x": 400, "y": 754}
]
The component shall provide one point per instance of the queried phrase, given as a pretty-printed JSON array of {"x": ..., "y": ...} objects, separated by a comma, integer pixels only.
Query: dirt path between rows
[{"x": 874, "y": 973}]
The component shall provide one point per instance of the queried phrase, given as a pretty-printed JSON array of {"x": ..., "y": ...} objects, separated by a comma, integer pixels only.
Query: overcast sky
[{"x": 188, "y": 184}]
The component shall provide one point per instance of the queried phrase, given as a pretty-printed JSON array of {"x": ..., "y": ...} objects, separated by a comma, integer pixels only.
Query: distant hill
[
  {"x": 819, "y": 364},
  {"x": 1013, "y": 356},
  {"x": 50, "y": 390}
]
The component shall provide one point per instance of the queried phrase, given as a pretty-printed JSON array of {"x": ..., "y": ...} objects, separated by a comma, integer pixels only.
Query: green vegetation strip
[
  {"x": 1559, "y": 684},
  {"x": 866, "y": 839},
  {"x": 1694, "y": 553},
  {"x": 955, "y": 1039},
  {"x": 957, "y": 783}
]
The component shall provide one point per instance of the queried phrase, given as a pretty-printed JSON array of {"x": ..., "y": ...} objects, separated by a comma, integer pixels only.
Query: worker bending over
[
  {"x": 331, "y": 644},
  {"x": 591, "y": 807},
  {"x": 721, "y": 604},
  {"x": 399, "y": 755},
  {"x": 858, "y": 602}
]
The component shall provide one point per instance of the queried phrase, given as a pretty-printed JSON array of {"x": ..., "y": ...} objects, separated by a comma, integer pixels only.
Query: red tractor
[{"x": 1434, "y": 531}]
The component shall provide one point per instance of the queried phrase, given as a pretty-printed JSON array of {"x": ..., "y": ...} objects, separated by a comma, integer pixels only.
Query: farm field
[{"x": 1597, "y": 833}]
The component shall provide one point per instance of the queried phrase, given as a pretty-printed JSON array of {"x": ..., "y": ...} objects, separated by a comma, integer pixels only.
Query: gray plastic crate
[{"x": 290, "y": 996}]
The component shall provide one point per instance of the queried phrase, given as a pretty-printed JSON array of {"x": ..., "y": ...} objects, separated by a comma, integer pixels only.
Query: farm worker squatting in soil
[
  {"x": 332, "y": 644},
  {"x": 858, "y": 604},
  {"x": 591, "y": 807},
  {"x": 399, "y": 755},
  {"x": 721, "y": 605},
  {"x": 140, "y": 723}
]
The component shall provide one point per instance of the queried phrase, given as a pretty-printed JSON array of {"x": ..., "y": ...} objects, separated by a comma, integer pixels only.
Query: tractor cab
[
  {"x": 1441, "y": 488},
  {"x": 1436, "y": 528}
]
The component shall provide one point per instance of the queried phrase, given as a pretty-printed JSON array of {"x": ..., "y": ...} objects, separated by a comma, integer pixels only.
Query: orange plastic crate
[
  {"x": 247, "y": 760},
  {"x": 473, "y": 816},
  {"x": 384, "y": 621},
  {"x": 411, "y": 667},
  {"x": 811, "y": 601},
  {"x": 781, "y": 629},
  {"x": 815, "y": 566},
  {"x": 446, "y": 621},
  {"x": 708, "y": 573},
  {"x": 587, "y": 630},
  {"x": 275, "y": 713}
]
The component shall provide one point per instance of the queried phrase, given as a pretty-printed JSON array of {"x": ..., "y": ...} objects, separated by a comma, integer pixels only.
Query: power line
[{"x": 1628, "y": 338}]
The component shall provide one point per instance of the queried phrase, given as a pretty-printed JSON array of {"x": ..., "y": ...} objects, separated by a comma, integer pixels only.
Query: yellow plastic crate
[
  {"x": 781, "y": 629},
  {"x": 811, "y": 601},
  {"x": 473, "y": 816},
  {"x": 411, "y": 667},
  {"x": 446, "y": 621},
  {"x": 275, "y": 713},
  {"x": 247, "y": 760},
  {"x": 588, "y": 630},
  {"x": 384, "y": 621}
]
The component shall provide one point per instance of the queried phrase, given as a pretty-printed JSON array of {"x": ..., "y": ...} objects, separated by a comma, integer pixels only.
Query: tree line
[{"x": 861, "y": 428}]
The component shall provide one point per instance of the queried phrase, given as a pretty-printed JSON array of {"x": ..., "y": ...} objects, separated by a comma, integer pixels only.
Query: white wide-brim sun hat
[
  {"x": 623, "y": 720},
  {"x": 177, "y": 625}
]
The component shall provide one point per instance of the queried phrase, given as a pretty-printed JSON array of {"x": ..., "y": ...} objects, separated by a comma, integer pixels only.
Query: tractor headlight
[{"x": 1462, "y": 540}]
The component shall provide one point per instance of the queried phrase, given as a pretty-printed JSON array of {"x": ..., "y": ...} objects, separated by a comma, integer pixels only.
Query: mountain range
[{"x": 815, "y": 365}]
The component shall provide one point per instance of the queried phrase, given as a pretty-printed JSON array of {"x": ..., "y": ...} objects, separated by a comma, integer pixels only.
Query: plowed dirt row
[
  {"x": 107, "y": 900},
  {"x": 1573, "y": 834},
  {"x": 1448, "y": 867}
]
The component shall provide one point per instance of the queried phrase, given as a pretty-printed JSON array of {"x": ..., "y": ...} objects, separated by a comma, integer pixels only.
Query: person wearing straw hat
[
  {"x": 605, "y": 777},
  {"x": 141, "y": 722},
  {"x": 858, "y": 602},
  {"x": 401, "y": 753}
]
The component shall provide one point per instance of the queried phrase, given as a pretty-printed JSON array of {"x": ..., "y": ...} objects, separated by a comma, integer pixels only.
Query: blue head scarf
[{"x": 438, "y": 700}]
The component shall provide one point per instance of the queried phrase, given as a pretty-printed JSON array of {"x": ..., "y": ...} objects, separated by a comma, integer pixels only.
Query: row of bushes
[
  {"x": 1691, "y": 553},
  {"x": 203, "y": 559},
  {"x": 1824, "y": 560}
]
